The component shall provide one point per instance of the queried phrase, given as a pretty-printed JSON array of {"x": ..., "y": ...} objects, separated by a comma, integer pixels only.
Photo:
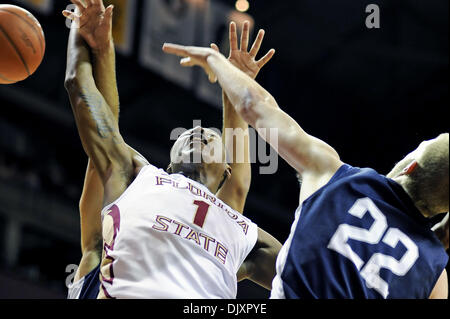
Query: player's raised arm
[
  {"x": 96, "y": 124},
  {"x": 94, "y": 24},
  {"x": 305, "y": 153},
  {"x": 235, "y": 129},
  {"x": 95, "y": 27}
]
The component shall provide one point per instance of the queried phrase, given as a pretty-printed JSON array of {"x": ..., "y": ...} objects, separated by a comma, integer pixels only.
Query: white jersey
[{"x": 169, "y": 237}]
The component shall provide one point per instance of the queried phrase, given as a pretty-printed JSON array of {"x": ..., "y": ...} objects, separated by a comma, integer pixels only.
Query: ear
[
  {"x": 226, "y": 176},
  {"x": 409, "y": 169}
]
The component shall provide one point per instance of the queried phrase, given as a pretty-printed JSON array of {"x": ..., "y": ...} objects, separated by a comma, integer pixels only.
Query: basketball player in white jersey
[
  {"x": 168, "y": 236},
  {"x": 86, "y": 281}
]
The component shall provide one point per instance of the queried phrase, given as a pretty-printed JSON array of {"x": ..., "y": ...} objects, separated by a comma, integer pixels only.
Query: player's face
[
  {"x": 198, "y": 146},
  {"x": 200, "y": 152}
]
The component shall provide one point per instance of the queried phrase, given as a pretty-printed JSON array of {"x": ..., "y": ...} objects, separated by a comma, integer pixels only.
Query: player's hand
[
  {"x": 193, "y": 56},
  {"x": 243, "y": 59},
  {"x": 93, "y": 21}
]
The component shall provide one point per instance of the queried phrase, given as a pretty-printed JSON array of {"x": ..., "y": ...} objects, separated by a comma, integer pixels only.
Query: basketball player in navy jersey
[
  {"x": 115, "y": 165},
  {"x": 357, "y": 234},
  {"x": 86, "y": 281}
]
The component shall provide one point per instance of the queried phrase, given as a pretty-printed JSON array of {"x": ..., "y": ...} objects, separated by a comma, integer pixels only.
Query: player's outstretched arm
[
  {"x": 305, "y": 153},
  {"x": 96, "y": 124},
  {"x": 94, "y": 23},
  {"x": 235, "y": 129},
  {"x": 259, "y": 266}
]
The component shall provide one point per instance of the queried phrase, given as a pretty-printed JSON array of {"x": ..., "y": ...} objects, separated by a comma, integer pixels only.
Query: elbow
[
  {"x": 71, "y": 82},
  {"x": 244, "y": 185},
  {"x": 247, "y": 108},
  {"x": 75, "y": 76},
  {"x": 252, "y": 104},
  {"x": 241, "y": 192}
]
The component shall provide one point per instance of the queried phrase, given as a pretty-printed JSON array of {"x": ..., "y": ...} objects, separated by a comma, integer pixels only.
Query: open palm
[
  {"x": 94, "y": 22},
  {"x": 242, "y": 58}
]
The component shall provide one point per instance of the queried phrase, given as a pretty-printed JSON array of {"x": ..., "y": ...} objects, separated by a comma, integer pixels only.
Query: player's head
[
  {"x": 425, "y": 177},
  {"x": 200, "y": 155}
]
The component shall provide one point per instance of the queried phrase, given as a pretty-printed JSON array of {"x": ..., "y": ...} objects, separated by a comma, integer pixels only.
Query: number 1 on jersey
[{"x": 201, "y": 213}]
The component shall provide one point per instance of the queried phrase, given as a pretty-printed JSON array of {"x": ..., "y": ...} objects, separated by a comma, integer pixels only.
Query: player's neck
[{"x": 208, "y": 181}]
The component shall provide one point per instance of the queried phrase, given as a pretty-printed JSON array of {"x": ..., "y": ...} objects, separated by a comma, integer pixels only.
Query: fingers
[
  {"x": 187, "y": 62},
  {"x": 233, "y": 37},
  {"x": 212, "y": 78},
  {"x": 70, "y": 15},
  {"x": 266, "y": 58},
  {"x": 215, "y": 47},
  {"x": 97, "y": 3},
  {"x": 257, "y": 45},
  {"x": 185, "y": 51},
  {"x": 89, "y": 4},
  {"x": 175, "y": 49},
  {"x": 109, "y": 14},
  {"x": 245, "y": 36},
  {"x": 78, "y": 3}
]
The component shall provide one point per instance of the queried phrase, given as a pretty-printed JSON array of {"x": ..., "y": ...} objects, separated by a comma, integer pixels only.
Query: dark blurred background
[{"x": 373, "y": 94}]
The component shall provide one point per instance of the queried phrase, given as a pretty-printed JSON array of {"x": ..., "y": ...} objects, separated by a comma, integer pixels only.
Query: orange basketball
[{"x": 22, "y": 44}]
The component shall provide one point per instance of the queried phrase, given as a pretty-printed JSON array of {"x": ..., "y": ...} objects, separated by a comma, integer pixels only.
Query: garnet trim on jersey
[{"x": 108, "y": 263}]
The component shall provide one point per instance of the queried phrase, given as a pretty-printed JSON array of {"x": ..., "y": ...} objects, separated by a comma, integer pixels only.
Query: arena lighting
[{"x": 242, "y": 5}]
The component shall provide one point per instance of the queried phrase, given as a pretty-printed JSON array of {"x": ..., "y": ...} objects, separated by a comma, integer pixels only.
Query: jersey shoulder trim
[{"x": 144, "y": 170}]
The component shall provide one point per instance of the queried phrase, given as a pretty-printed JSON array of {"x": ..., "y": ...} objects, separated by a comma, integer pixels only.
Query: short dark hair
[{"x": 428, "y": 184}]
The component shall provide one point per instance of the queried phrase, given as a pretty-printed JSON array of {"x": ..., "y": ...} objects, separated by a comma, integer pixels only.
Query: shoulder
[
  {"x": 313, "y": 183},
  {"x": 348, "y": 173}
]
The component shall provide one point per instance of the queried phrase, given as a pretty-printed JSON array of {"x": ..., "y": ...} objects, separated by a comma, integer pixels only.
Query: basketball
[{"x": 22, "y": 44}]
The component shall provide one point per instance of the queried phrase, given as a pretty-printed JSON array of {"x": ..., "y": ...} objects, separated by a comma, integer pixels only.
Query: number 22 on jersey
[{"x": 370, "y": 271}]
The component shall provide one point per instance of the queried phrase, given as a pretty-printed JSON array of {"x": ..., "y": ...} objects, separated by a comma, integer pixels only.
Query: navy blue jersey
[
  {"x": 87, "y": 287},
  {"x": 359, "y": 236},
  {"x": 91, "y": 284}
]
